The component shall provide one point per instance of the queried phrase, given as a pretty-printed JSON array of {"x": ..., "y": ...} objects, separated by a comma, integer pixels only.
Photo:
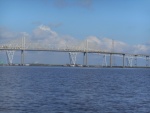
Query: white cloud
[
  {"x": 141, "y": 48},
  {"x": 43, "y": 32}
]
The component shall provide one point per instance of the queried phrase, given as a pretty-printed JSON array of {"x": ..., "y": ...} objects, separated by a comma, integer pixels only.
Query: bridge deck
[{"x": 74, "y": 50}]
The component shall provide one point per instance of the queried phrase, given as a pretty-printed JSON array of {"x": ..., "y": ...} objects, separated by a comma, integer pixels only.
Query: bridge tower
[
  {"x": 22, "y": 51},
  {"x": 113, "y": 56},
  {"x": 85, "y": 54}
]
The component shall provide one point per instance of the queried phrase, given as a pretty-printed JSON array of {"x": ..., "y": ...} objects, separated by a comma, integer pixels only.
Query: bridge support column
[
  {"x": 147, "y": 61},
  {"x": 123, "y": 60},
  {"x": 85, "y": 58},
  {"x": 70, "y": 58},
  {"x": 104, "y": 63},
  {"x": 135, "y": 61},
  {"x": 110, "y": 60},
  {"x": 22, "y": 57}
]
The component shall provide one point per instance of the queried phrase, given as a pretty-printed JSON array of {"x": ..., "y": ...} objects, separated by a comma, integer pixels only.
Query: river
[{"x": 74, "y": 90}]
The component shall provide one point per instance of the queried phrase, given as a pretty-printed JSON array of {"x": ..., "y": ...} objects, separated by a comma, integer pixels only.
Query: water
[{"x": 74, "y": 90}]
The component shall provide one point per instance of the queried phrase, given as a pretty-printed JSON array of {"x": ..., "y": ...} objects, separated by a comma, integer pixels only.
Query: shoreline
[{"x": 68, "y": 65}]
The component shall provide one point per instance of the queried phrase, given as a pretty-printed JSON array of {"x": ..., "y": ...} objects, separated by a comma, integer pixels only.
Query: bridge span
[{"x": 73, "y": 51}]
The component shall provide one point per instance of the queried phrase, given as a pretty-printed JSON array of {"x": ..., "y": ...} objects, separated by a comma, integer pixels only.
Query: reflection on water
[{"x": 74, "y": 90}]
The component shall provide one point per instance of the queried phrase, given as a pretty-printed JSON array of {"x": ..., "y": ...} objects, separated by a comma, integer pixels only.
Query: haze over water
[{"x": 74, "y": 90}]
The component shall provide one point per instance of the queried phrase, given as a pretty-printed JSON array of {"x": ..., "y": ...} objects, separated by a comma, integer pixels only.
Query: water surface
[{"x": 74, "y": 90}]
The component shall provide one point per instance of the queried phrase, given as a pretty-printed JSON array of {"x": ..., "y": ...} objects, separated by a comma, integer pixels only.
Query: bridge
[{"x": 22, "y": 45}]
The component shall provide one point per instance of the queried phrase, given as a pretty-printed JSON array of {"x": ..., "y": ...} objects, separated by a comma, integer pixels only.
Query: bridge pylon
[
  {"x": 104, "y": 62},
  {"x": 147, "y": 61},
  {"x": 135, "y": 60},
  {"x": 10, "y": 55},
  {"x": 73, "y": 57},
  {"x": 129, "y": 60},
  {"x": 85, "y": 58}
]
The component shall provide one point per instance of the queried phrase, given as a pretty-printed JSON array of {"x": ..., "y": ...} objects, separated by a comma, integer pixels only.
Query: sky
[{"x": 127, "y": 22}]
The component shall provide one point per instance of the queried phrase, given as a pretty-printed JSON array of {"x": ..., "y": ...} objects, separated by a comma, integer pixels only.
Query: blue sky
[
  {"x": 67, "y": 22},
  {"x": 124, "y": 20}
]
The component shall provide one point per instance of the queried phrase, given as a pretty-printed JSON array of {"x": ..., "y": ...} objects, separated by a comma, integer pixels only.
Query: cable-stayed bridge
[{"x": 23, "y": 45}]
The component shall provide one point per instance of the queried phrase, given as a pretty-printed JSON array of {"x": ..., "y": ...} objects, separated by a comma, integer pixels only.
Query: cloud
[
  {"x": 43, "y": 32},
  {"x": 44, "y": 36},
  {"x": 140, "y": 48}
]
